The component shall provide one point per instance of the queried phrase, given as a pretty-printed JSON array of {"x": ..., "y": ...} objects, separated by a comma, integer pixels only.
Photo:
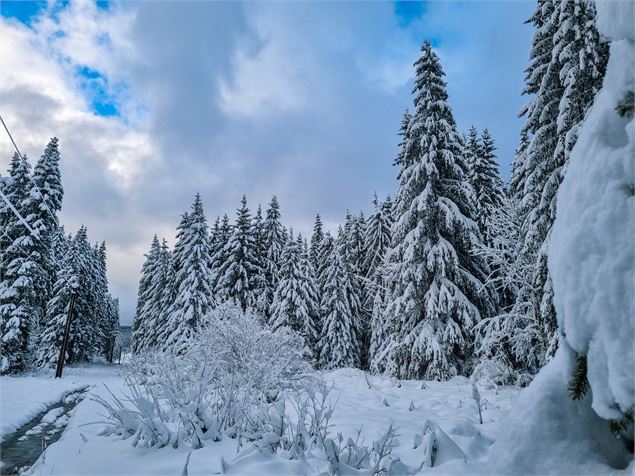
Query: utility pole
[{"x": 67, "y": 331}]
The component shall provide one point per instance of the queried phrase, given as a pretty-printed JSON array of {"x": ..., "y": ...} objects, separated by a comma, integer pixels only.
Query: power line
[
  {"x": 10, "y": 136},
  {"x": 39, "y": 191}
]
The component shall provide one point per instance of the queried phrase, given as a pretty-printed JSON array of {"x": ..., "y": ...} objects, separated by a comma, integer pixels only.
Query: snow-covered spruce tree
[
  {"x": 567, "y": 63},
  {"x": 338, "y": 342},
  {"x": 324, "y": 252},
  {"x": 488, "y": 186},
  {"x": 351, "y": 242},
  {"x": 102, "y": 303},
  {"x": 294, "y": 303},
  {"x": 219, "y": 239},
  {"x": 311, "y": 290},
  {"x": 48, "y": 179},
  {"x": 23, "y": 275},
  {"x": 436, "y": 287},
  {"x": 259, "y": 281},
  {"x": 145, "y": 295},
  {"x": 273, "y": 243},
  {"x": 52, "y": 331},
  {"x": 377, "y": 242},
  {"x": 236, "y": 281},
  {"x": 74, "y": 278},
  {"x": 193, "y": 296},
  {"x": 85, "y": 328},
  {"x": 160, "y": 306},
  {"x": 316, "y": 241},
  {"x": 112, "y": 316},
  {"x": 590, "y": 260}
]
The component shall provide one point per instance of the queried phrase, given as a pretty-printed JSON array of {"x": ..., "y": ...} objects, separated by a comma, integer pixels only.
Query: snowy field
[{"x": 463, "y": 442}]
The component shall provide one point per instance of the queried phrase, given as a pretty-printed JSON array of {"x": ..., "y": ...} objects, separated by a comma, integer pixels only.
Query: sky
[{"x": 155, "y": 101}]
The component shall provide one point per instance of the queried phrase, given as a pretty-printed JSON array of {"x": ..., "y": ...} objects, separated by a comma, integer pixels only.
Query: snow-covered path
[{"x": 81, "y": 450}]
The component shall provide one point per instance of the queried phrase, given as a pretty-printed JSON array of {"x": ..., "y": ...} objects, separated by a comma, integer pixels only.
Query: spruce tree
[
  {"x": 316, "y": 240},
  {"x": 274, "y": 244},
  {"x": 324, "y": 252},
  {"x": 338, "y": 340},
  {"x": 294, "y": 303},
  {"x": 193, "y": 297},
  {"x": 85, "y": 325},
  {"x": 52, "y": 332},
  {"x": 23, "y": 275},
  {"x": 567, "y": 65},
  {"x": 488, "y": 187},
  {"x": 259, "y": 280},
  {"x": 436, "y": 285},
  {"x": 311, "y": 291},
  {"x": 220, "y": 238},
  {"x": 46, "y": 196},
  {"x": 145, "y": 295},
  {"x": 376, "y": 243},
  {"x": 238, "y": 274}
]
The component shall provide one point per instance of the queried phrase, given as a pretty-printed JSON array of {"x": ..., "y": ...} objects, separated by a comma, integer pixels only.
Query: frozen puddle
[{"x": 21, "y": 449}]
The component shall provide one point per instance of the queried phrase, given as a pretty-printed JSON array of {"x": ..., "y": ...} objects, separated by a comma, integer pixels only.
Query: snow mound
[{"x": 555, "y": 435}]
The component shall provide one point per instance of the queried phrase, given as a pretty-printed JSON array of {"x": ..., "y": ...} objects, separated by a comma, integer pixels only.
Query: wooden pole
[{"x": 67, "y": 331}]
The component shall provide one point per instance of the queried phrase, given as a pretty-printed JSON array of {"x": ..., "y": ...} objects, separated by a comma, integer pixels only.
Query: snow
[
  {"x": 445, "y": 408},
  {"x": 559, "y": 435},
  {"x": 593, "y": 258},
  {"x": 22, "y": 398}
]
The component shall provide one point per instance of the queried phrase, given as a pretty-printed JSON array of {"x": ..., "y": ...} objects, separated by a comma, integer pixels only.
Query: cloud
[{"x": 154, "y": 101}]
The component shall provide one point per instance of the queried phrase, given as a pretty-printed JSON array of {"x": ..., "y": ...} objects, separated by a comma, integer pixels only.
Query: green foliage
[
  {"x": 579, "y": 383},
  {"x": 626, "y": 106}
]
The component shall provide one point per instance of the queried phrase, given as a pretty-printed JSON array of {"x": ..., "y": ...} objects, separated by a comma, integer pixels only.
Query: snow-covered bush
[
  {"x": 491, "y": 372},
  {"x": 224, "y": 383}
]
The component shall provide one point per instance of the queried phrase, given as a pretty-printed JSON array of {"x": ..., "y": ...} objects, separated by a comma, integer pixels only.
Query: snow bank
[
  {"x": 550, "y": 433},
  {"x": 592, "y": 261},
  {"x": 23, "y": 398}
]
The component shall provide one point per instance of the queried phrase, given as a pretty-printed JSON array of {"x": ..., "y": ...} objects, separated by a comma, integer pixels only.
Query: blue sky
[{"x": 154, "y": 101}]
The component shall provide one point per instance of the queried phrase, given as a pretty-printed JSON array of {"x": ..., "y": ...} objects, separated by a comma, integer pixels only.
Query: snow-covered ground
[
  {"x": 81, "y": 450},
  {"x": 24, "y": 397}
]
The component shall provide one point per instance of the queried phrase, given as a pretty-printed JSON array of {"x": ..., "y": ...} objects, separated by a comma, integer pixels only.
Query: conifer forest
[{"x": 383, "y": 238}]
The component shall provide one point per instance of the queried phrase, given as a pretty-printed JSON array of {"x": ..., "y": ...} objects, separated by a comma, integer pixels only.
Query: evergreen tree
[
  {"x": 150, "y": 271},
  {"x": 338, "y": 340},
  {"x": 23, "y": 275},
  {"x": 75, "y": 280},
  {"x": 488, "y": 186},
  {"x": 436, "y": 285},
  {"x": 102, "y": 303},
  {"x": 311, "y": 291},
  {"x": 219, "y": 251},
  {"x": 294, "y": 303},
  {"x": 376, "y": 243},
  {"x": 324, "y": 252},
  {"x": 193, "y": 297},
  {"x": 351, "y": 243},
  {"x": 316, "y": 240},
  {"x": 567, "y": 64},
  {"x": 47, "y": 194},
  {"x": 274, "y": 244},
  {"x": 112, "y": 307},
  {"x": 66, "y": 285},
  {"x": 85, "y": 324},
  {"x": 259, "y": 280},
  {"x": 238, "y": 275}
]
